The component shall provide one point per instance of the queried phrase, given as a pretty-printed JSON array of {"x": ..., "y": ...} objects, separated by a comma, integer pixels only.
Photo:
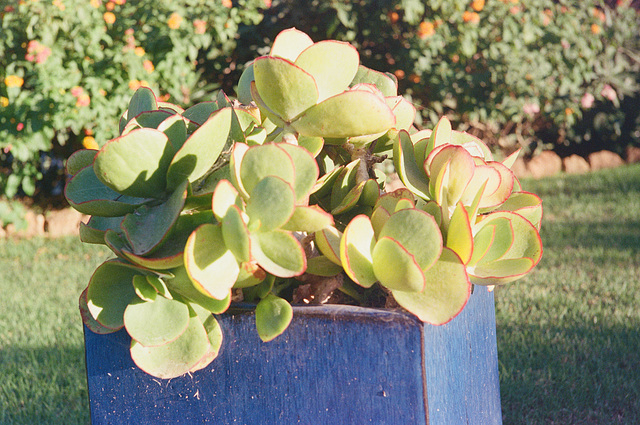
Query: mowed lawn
[{"x": 568, "y": 334}]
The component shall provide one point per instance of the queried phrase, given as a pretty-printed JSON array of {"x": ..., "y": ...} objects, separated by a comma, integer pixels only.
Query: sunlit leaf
[
  {"x": 356, "y": 249},
  {"x": 273, "y": 315}
]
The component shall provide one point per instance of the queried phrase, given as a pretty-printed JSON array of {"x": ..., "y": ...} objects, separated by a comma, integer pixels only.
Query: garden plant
[{"x": 276, "y": 197}]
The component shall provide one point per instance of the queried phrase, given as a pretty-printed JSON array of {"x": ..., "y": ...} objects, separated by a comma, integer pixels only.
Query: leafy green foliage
[
  {"x": 222, "y": 202},
  {"x": 58, "y": 83}
]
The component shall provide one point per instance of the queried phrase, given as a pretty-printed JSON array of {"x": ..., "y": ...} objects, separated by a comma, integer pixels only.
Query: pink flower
[
  {"x": 565, "y": 44},
  {"x": 200, "y": 26},
  {"x": 531, "y": 108},
  {"x": 609, "y": 93},
  {"x": 20, "y": 126},
  {"x": 587, "y": 100},
  {"x": 77, "y": 91},
  {"x": 37, "y": 52},
  {"x": 83, "y": 100}
]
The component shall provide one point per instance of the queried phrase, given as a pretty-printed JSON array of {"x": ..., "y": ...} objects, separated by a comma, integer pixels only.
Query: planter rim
[{"x": 337, "y": 311}]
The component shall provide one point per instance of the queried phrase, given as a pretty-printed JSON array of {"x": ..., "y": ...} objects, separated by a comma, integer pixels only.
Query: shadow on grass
[
  {"x": 43, "y": 385},
  {"x": 575, "y": 375}
]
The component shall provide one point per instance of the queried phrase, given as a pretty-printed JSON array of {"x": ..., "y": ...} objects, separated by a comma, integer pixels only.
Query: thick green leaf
[
  {"x": 285, "y": 88},
  {"x": 147, "y": 227},
  {"x": 267, "y": 160},
  {"x": 386, "y": 83},
  {"x": 110, "y": 291},
  {"x": 176, "y": 130},
  {"x": 236, "y": 235},
  {"x": 312, "y": 144},
  {"x": 289, "y": 43},
  {"x": 211, "y": 266},
  {"x": 459, "y": 234},
  {"x": 403, "y": 110},
  {"x": 328, "y": 241},
  {"x": 404, "y": 161},
  {"x": 174, "y": 358},
  {"x": 527, "y": 205},
  {"x": 91, "y": 323},
  {"x": 170, "y": 252},
  {"x": 135, "y": 164},
  {"x": 344, "y": 183},
  {"x": 333, "y": 64},
  {"x": 511, "y": 231},
  {"x": 271, "y": 204},
  {"x": 251, "y": 274},
  {"x": 181, "y": 284},
  {"x": 90, "y": 196},
  {"x": 322, "y": 266},
  {"x": 144, "y": 290},
  {"x": 450, "y": 169},
  {"x": 279, "y": 253},
  {"x": 309, "y": 219},
  {"x": 152, "y": 119},
  {"x": 395, "y": 267},
  {"x": 244, "y": 85},
  {"x": 472, "y": 144},
  {"x": 156, "y": 323},
  {"x": 79, "y": 160},
  {"x": 445, "y": 293},
  {"x": 158, "y": 285},
  {"x": 143, "y": 100},
  {"x": 306, "y": 170},
  {"x": 235, "y": 161},
  {"x": 356, "y": 249},
  {"x": 350, "y": 199},
  {"x": 93, "y": 231},
  {"x": 200, "y": 112},
  {"x": 201, "y": 150},
  {"x": 417, "y": 232},
  {"x": 273, "y": 315},
  {"x": 214, "y": 334},
  {"x": 224, "y": 197},
  {"x": 501, "y": 271},
  {"x": 335, "y": 117}
]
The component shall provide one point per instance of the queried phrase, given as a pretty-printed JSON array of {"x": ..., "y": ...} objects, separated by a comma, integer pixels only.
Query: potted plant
[{"x": 223, "y": 215}]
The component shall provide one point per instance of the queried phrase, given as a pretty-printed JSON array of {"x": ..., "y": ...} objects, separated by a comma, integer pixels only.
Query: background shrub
[
  {"x": 540, "y": 74},
  {"x": 69, "y": 68}
]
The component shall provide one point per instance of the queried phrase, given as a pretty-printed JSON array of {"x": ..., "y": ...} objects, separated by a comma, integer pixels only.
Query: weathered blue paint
[{"x": 333, "y": 365}]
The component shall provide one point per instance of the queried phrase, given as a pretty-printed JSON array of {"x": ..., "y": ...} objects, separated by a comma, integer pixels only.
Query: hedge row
[{"x": 538, "y": 74}]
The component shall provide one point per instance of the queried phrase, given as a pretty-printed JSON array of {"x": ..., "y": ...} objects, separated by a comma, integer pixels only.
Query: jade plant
[{"x": 276, "y": 198}]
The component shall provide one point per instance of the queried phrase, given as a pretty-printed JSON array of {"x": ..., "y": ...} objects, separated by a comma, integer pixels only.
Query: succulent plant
[{"x": 275, "y": 198}]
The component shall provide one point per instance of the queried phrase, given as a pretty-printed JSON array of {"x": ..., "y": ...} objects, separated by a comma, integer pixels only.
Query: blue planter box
[{"x": 333, "y": 365}]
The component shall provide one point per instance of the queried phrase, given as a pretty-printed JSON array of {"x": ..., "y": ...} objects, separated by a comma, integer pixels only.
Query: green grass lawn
[{"x": 568, "y": 334}]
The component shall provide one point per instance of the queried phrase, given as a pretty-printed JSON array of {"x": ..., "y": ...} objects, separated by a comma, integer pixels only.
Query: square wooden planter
[{"x": 333, "y": 365}]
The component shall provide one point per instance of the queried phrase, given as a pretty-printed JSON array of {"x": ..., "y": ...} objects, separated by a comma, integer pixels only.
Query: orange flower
[
  {"x": 174, "y": 21},
  {"x": 227, "y": 3},
  {"x": 414, "y": 78},
  {"x": 109, "y": 17},
  {"x": 399, "y": 74},
  {"x": 477, "y": 5},
  {"x": 119, "y": 2},
  {"x": 134, "y": 85},
  {"x": 200, "y": 26},
  {"x": 59, "y": 4},
  {"x": 102, "y": 92},
  {"x": 13, "y": 81},
  {"x": 426, "y": 29},
  {"x": 599, "y": 14},
  {"x": 89, "y": 142},
  {"x": 568, "y": 111},
  {"x": 95, "y": 3},
  {"x": 393, "y": 17},
  {"x": 139, "y": 51},
  {"x": 267, "y": 3},
  {"x": 110, "y": 6},
  {"x": 83, "y": 100},
  {"x": 4, "y": 102},
  {"x": 148, "y": 66},
  {"x": 595, "y": 28},
  {"x": 472, "y": 17}
]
